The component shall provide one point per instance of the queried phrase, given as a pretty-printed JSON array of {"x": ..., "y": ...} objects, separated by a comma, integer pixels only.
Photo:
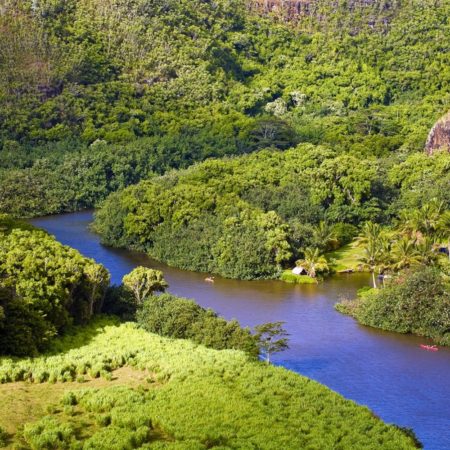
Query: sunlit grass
[
  {"x": 289, "y": 277},
  {"x": 190, "y": 397},
  {"x": 347, "y": 257}
]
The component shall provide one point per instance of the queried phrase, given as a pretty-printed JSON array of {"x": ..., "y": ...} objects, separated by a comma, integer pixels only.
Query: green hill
[
  {"x": 174, "y": 395},
  {"x": 162, "y": 84}
]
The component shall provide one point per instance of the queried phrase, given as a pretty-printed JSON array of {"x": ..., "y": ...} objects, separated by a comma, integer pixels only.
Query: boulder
[{"x": 439, "y": 136}]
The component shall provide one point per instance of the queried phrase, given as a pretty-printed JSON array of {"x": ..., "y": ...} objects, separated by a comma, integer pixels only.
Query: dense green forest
[
  {"x": 46, "y": 288},
  {"x": 246, "y": 217},
  {"x": 95, "y": 96}
]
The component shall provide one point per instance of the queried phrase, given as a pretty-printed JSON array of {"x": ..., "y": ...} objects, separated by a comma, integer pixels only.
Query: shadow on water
[{"x": 386, "y": 371}]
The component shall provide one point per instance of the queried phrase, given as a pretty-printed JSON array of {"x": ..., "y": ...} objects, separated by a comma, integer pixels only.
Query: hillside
[
  {"x": 173, "y": 394},
  {"x": 91, "y": 86}
]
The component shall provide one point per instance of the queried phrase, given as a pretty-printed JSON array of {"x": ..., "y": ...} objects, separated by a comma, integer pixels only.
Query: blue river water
[{"x": 388, "y": 372}]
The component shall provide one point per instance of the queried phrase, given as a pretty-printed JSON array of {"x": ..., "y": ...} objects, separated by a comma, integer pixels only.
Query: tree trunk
[{"x": 373, "y": 279}]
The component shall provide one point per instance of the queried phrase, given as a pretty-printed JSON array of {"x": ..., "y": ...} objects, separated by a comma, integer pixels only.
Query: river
[{"x": 388, "y": 372}]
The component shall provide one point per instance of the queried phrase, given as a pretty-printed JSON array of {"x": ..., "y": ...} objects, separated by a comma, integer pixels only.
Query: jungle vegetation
[
  {"x": 413, "y": 261},
  {"x": 46, "y": 288},
  {"x": 251, "y": 216},
  {"x": 95, "y": 96},
  {"x": 188, "y": 397}
]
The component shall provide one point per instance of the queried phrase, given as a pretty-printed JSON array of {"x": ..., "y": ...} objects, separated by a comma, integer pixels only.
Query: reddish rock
[
  {"x": 439, "y": 137},
  {"x": 294, "y": 10}
]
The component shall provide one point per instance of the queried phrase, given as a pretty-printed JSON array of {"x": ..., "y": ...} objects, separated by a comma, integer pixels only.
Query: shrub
[
  {"x": 3, "y": 437},
  {"x": 48, "y": 433},
  {"x": 290, "y": 277},
  {"x": 181, "y": 318},
  {"x": 416, "y": 301}
]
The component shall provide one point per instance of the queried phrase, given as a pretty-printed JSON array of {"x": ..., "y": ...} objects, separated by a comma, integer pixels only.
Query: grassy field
[
  {"x": 346, "y": 258},
  {"x": 118, "y": 387}
]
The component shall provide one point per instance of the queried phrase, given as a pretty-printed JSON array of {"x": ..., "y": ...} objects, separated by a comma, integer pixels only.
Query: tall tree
[
  {"x": 272, "y": 338},
  {"x": 143, "y": 282},
  {"x": 375, "y": 246}
]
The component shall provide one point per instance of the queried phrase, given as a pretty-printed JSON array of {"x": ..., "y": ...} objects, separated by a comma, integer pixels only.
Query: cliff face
[
  {"x": 439, "y": 137},
  {"x": 295, "y": 10}
]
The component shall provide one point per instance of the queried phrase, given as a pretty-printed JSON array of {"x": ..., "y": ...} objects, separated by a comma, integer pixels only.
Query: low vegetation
[
  {"x": 171, "y": 316},
  {"x": 193, "y": 398},
  {"x": 293, "y": 278},
  {"x": 415, "y": 301}
]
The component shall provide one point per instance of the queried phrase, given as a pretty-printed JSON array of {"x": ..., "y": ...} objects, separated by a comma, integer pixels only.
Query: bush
[
  {"x": 48, "y": 434},
  {"x": 120, "y": 302},
  {"x": 3, "y": 437},
  {"x": 181, "y": 318},
  {"x": 416, "y": 301},
  {"x": 290, "y": 277}
]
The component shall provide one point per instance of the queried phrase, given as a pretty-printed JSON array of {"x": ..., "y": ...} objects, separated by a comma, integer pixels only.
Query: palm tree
[
  {"x": 422, "y": 221},
  {"x": 404, "y": 253},
  {"x": 426, "y": 251},
  {"x": 369, "y": 232},
  {"x": 324, "y": 236},
  {"x": 375, "y": 246},
  {"x": 372, "y": 258},
  {"x": 429, "y": 216},
  {"x": 313, "y": 262},
  {"x": 443, "y": 229}
]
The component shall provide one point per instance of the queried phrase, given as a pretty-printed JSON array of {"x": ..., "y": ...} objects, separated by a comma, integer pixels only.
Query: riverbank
[
  {"x": 174, "y": 391},
  {"x": 415, "y": 302},
  {"x": 372, "y": 367}
]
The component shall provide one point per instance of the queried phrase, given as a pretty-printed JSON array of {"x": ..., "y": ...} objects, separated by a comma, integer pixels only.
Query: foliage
[
  {"x": 119, "y": 302},
  {"x": 44, "y": 287},
  {"x": 176, "y": 317},
  {"x": 374, "y": 244},
  {"x": 235, "y": 216},
  {"x": 290, "y": 277},
  {"x": 272, "y": 338},
  {"x": 144, "y": 282},
  {"x": 48, "y": 433},
  {"x": 95, "y": 97},
  {"x": 3, "y": 437},
  {"x": 416, "y": 301},
  {"x": 313, "y": 262},
  {"x": 198, "y": 398}
]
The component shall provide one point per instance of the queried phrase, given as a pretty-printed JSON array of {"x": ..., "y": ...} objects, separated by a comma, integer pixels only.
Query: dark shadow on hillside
[{"x": 81, "y": 335}]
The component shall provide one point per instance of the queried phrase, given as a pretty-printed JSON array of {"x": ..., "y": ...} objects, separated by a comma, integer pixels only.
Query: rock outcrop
[
  {"x": 295, "y": 10},
  {"x": 439, "y": 137}
]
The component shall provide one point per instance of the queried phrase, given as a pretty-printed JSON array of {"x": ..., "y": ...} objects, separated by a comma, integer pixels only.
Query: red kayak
[{"x": 430, "y": 348}]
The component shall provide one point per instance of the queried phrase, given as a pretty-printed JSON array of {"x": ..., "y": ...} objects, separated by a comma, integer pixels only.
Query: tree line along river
[{"x": 388, "y": 372}]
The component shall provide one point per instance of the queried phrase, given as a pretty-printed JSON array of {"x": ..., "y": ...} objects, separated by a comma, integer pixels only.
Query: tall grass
[{"x": 202, "y": 398}]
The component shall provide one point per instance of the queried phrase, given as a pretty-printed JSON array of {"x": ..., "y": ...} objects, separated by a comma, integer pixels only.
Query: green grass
[
  {"x": 346, "y": 258},
  {"x": 192, "y": 398},
  {"x": 290, "y": 277}
]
